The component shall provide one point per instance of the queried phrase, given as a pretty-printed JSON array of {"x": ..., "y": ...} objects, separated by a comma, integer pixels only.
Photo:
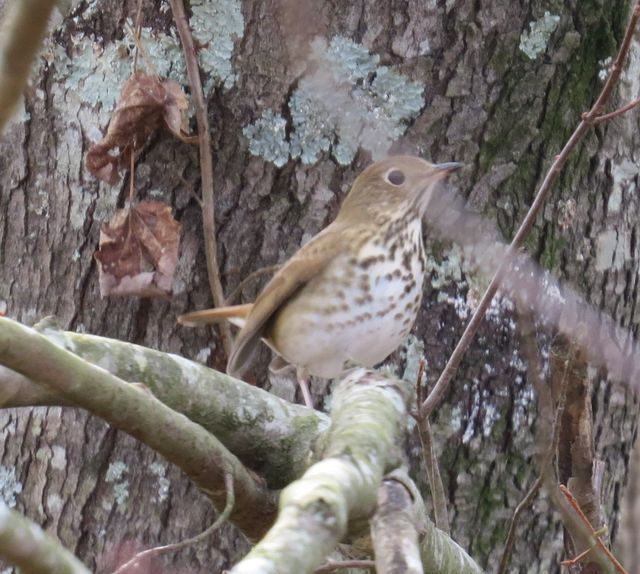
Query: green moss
[
  {"x": 597, "y": 33},
  {"x": 554, "y": 247}
]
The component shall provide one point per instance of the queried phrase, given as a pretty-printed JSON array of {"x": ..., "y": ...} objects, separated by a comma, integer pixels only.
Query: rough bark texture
[{"x": 487, "y": 103}]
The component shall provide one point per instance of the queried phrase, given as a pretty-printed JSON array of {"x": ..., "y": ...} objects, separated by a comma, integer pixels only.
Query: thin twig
[
  {"x": 151, "y": 69},
  {"x": 331, "y": 565},
  {"x": 452, "y": 365},
  {"x": 206, "y": 164},
  {"x": 132, "y": 175},
  {"x": 204, "y": 535},
  {"x": 618, "y": 112},
  {"x": 440, "y": 512},
  {"x": 137, "y": 32},
  {"x": 511, "y": 535},
  {"x": 252, "y": 276},
  {"x": 23, "y": 28},
  {"x": 574, "y": 504}
]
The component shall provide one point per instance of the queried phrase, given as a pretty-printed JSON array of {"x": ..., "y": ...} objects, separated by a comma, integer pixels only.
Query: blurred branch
[
  {"x": 206, "y": 164},
  {"x": 25, "y": 545},
  {"x": 23, "y": 28},
  {"x": 548, "y": 433},
  {"x": 315, "y": 511},
  {"x": 333, "y": 565},
  {"x": 137, "y": 412},
  {"x": 442, "y": 555},
  {"x": 271, "y": 435},
  {"x": 452, "y": 365},
  {"x": 394, "y": 529}
]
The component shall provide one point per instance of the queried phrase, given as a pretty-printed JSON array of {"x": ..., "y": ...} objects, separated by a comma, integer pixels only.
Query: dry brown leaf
[
  {"x": 146, "y": 103},
  {"x": 138, "y": 251}
]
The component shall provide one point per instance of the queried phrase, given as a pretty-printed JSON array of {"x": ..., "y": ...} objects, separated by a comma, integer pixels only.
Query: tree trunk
[{"x": 504, "y": 85}]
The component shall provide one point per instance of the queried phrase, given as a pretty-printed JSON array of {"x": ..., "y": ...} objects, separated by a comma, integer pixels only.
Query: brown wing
[
  {"x": 235, "y": 314},
  {"x": 306, "y": 264}
]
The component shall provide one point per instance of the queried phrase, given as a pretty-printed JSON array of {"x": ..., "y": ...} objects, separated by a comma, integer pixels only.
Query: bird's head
[{"x": 394, "y": 185}]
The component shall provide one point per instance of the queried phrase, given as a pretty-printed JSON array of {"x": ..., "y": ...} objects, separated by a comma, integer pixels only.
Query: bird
[{"x": 349, "y": 296}]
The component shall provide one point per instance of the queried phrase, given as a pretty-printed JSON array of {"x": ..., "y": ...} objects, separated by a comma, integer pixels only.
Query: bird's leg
[{"x": 303, "y": 379}]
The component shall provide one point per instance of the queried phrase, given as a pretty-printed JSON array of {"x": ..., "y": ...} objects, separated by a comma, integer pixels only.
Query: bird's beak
[{"x": 445, "y": 169}]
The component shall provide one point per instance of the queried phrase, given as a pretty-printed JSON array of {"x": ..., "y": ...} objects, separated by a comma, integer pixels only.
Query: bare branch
[
  {"x": 206, "y": 164},
  {"x": 616, "y": 113},
  {"x": 511, "y": 535},
  {"x": 24, "y": 26},
  {"x": 598, "y": 541},
  {"x": 440, "y": 512},
  {"x": 25, "y": 545},
  {"x": 548, "y": 434}
]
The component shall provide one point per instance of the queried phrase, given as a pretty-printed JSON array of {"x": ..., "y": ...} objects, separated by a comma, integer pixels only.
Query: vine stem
[{"x": 206, "y": 164}]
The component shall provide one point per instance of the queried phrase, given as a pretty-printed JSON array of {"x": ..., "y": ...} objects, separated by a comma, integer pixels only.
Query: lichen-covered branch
[
  {"x": 441, "y": 554},
  {"x": 25, "y": 545},
  {"x": 24, "y": 26},
  {"x": 270, "y": 435},
  {"x": 137, "y": 412},
  {"x": 367, "y": 422}
]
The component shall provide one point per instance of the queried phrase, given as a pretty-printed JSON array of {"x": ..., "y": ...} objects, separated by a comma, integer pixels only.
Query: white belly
[{"x": 359, "y": 313}]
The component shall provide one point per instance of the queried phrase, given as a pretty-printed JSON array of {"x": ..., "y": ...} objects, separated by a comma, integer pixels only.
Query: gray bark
[{"x": 487, "y": 103}]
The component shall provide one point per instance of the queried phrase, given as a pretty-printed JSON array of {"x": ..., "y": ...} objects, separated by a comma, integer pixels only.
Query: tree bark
[{"x": 504, "y": 85}]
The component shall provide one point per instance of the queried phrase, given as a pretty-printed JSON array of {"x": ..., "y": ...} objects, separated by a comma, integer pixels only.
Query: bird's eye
[{"x": 395, "y": 177}]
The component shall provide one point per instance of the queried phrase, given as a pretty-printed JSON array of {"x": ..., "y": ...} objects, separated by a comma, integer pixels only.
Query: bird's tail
[{"x": 235, "y": 314}]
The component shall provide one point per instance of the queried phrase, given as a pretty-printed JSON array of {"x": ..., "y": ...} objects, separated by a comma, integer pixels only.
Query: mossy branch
[
  {"x": 272, "y": 436},
  {"x": 181, "y": 441},
  {"x": 367, "y": 423}
]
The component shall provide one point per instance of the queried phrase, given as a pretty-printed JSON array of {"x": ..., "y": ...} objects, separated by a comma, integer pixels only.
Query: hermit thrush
[{"x": 349, "y": 296}]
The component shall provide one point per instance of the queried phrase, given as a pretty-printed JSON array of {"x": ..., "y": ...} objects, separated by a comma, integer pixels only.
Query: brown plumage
[{"x": 352, "y": 293}]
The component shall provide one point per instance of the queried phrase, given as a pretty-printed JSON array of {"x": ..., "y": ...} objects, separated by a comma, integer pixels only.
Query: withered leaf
[
  {"x": 146, "y": 103},
  {"x": 138, "y": 251}
]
